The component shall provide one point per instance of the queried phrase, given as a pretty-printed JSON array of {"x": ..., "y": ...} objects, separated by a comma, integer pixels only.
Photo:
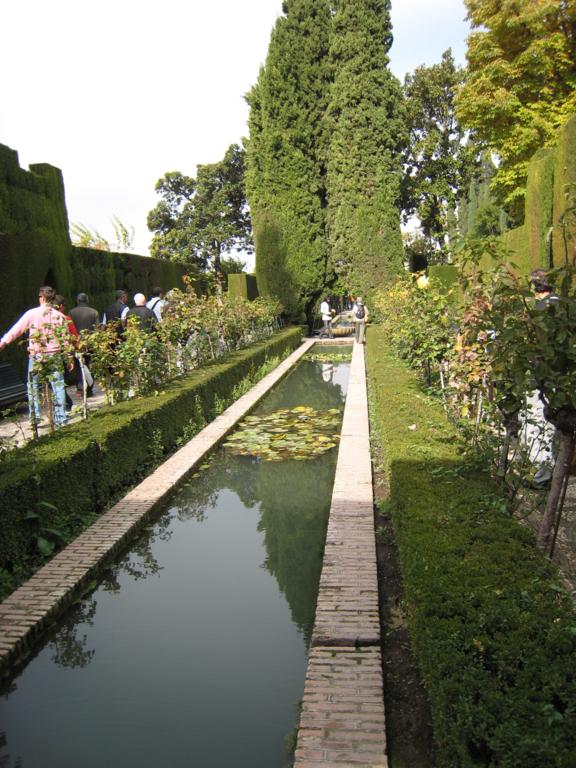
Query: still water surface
[{"x": 192, "y": 649}]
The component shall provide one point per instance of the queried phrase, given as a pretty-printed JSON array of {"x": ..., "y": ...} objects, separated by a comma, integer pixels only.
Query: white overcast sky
[{"x": 118, "y": 92}]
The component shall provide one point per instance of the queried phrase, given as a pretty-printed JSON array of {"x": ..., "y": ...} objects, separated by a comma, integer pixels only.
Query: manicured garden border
[
  {"x": 54, "y": 488},
  {"x": 494, "y": 634}
]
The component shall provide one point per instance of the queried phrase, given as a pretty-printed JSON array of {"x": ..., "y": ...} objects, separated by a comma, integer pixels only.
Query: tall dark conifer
[
  {"x": 366, "y": 128},
  {"x": 286, "y": 156}
]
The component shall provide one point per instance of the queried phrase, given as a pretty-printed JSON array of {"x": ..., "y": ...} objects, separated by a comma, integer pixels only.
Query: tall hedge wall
[
  {"x": 564, "y": 181},
  {"x": 550, "y": 174},
  {"x": 35, "y": 250},
  {"x": 243, "y": 285}
]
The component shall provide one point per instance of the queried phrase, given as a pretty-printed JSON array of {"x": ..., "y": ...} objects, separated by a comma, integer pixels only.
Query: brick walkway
[
  {"x": 342, "y": 721},
  {"x": 28, "y": 610}
]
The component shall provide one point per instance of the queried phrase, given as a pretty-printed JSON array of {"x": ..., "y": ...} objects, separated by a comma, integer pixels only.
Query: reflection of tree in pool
[
  {"x": 69, "y": 643},
  {"x": 294, "y": 501},
  {"x": 306, "y": 388},
  {"x": 224, "y": 471}
]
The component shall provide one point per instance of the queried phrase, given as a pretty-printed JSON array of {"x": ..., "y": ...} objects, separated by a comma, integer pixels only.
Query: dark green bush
[
  {"x": 54, "y": 489},
  {"x": 493, "y": 632}
]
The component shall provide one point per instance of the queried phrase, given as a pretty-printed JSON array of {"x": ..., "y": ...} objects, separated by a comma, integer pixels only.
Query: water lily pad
[{"x": 298, "y": 433}]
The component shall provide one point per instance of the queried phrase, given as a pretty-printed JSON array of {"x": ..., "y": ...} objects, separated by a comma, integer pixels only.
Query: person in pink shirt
[{"x": 44, "y": 339}]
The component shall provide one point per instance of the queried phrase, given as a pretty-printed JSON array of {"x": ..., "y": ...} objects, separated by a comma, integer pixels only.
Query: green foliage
[
  {"x": 438, "y": 163},
  {"x": 366, "y": 125},
  {"x": 493, "y": 633},
  {"x": 79, "y": 470},
  {"x": 197, "y": 220},
  {"x": 418, "y": 318},
  {"x": 286, "y": 158},
  {"x": 479, "y": 215},
  {"x": 520, "y": 84}
]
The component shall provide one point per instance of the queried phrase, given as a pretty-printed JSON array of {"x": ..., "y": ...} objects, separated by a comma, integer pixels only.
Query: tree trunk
[
  {"x": 218, "y": 268},
  {"x": 561, "y": 469}
]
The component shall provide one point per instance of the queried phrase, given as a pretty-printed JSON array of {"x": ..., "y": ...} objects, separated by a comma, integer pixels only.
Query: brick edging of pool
[
  {"x": 30, "y": 609},
  {"x": 343, "y": 721}
]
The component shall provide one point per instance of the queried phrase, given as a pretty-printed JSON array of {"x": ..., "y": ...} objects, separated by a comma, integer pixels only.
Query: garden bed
[
  {"x": 54, "y": 488},
  {"x": 493, "y": 632}
]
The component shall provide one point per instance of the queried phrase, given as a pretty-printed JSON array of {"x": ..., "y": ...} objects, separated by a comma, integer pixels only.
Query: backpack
[{"x": 360, "y": 312}]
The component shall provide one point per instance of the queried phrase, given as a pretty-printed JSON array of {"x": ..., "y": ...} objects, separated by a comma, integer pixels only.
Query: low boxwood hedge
[
  {"x": 493, "y": 632},
  {"x": 52, "y": 489}
]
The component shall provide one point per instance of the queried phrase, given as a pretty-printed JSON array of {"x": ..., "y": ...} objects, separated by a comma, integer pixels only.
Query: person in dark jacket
[
  {"x": 85, "y": 318},
  {"x": 146, "y": 316},
  {"x": 118, "y": 309}
]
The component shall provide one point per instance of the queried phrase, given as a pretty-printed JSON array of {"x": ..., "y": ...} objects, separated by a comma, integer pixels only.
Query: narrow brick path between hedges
[
  {"x": 342, "y": 721},
  {"x": 30, "y": 609}
]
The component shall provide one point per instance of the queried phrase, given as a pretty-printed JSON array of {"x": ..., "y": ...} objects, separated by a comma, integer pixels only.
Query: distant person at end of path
[
  {"x": 146, "y": 316},
  {"x": 157, "y": 303},
  {"x": 117, "y": 311},
  {"x": 360, "y": 314},
  {"x": 44, "y": 341},
  {"x": 326, "y": 314},
  {"x": 86, "y": 318}
]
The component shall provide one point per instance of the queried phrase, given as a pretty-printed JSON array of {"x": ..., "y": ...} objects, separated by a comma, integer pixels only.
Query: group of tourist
[
  {"x": 358, "y": 310},
  {"x": 52, "y": 331}
]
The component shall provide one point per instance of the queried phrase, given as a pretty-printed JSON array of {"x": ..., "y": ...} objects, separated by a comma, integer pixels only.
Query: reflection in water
[
  {"x": 327, "y": 371},
  {"x": 188, "y": 652},
  {"x": 70, "y": 641}
]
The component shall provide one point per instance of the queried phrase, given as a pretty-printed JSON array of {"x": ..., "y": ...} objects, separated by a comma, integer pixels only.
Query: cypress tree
[
  {"x": 367, "y": 132},
  {"x": 286, "y": 151}
]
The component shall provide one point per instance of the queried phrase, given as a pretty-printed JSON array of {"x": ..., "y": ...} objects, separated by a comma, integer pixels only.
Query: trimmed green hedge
[
  {"x": 243, "y": 285},
  {"x": 493, "y": 633},
  {"x": 82, "y": 467}
]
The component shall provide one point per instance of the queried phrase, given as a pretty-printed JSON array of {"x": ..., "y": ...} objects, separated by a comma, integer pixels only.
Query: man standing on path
[
  {"x": 360, "y": 317},
  {"x": 118, "y": 310},
  {"x": 85, "y": 318},
  {"x": 47, "y": 331},
  {"x": 145, "y": 316},
  {"x": 326, "y": 314},
  {"x": 157, "y": 303}
]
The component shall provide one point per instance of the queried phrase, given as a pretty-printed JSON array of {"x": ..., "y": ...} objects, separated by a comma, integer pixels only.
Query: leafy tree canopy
[
  {"x": 197, "y": 220},
  {"x": 438, "y": 161},
  {"x": 520, "y": 83}
]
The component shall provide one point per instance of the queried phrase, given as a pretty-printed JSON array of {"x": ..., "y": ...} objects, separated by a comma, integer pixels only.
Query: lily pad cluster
[
  {"x": 329, "y": 357},
  {"x": 299, "y": 433}
]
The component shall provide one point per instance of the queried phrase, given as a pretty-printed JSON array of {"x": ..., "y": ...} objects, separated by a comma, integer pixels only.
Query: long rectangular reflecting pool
[{"x": 192, "y": 648}]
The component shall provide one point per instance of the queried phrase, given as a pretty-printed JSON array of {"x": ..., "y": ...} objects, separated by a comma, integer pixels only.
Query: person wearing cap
[
  {"x": 360, "y": 314},
  {"x": 86, "y": 318},
  {"x": 146, "y": 316}
]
